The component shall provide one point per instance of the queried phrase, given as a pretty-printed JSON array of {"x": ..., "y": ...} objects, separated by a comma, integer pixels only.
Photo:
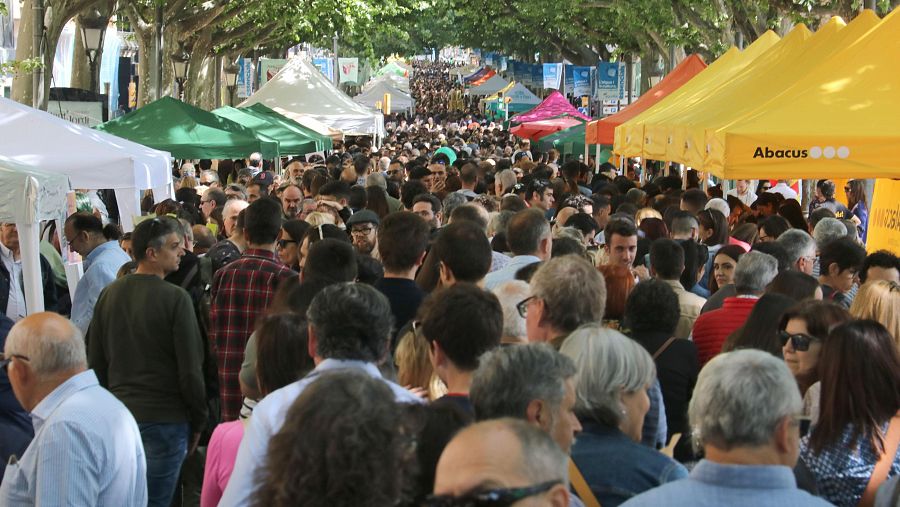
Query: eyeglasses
[
  {"x": 4, "y": 360},
  {"x": 800, "y": 341},
  {"x": 283, "y": 243},
  {"x": 500, "y": 497},
  {"x": 362, "y": 230},
  {"x": 522, "y": 306}
]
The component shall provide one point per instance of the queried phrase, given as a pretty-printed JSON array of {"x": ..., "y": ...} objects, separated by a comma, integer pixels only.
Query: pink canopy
[
  {"x": 554, "y": 105},
  {"x": 537, "y": 129}
]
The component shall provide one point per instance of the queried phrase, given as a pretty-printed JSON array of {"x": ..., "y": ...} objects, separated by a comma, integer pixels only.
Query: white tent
[
  {"x": 28, "y": 196},
  {"x": 489, "y": 87},
  {"x": 91, "y": 159},
  {"x": 300, "y": 88},
  {"x": 519, "y": 94},
  {"x": 399, "y": 82},
  {"x": 400, "y": 101},
  {"x": 312, "y": 124}
]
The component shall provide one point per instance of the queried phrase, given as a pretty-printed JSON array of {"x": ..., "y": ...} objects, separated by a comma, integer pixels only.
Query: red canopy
[
  {"x": 602, "y": 131},
  {"x": 554, "y": 105},
  {"x": 487, "y": 75},
  {"x": 537, "y": 129}
]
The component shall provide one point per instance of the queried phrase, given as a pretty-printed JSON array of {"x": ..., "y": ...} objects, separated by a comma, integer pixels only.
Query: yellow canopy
[
  {"x": 497, "y": 95},
  {"x": 636, "y": 138},
  {"x": 837, "y": 120}
]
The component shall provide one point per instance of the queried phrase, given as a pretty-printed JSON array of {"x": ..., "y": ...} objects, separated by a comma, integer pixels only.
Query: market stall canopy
[
  {"x": 400, "y": 83},
  {"x": 630, "y": 138},
  {"x": 483, "y": 78},
  {"x": 307, "y": 121},
  {"x": 320, "y": 133},
  {"x": 554, "y": 105},
  {"x": 492, "y": 85},
  {"x": 393, "y": 68},
  {"x": 839, "y": 119},
  {"x": 189, "y": 132},
  {"x": 399, "y": 101},
  {"x": 503, "y": 91},
  {"x": 537, "y": 129},
  {"x": 300, "y": 88},
  {"x": 603, "y": 131},
  {"x": 291, "y": 140},
  {"x": 478, "y": 74},
  {"x": 568, "y": 141},
  {"x": 463, "y": 71}
]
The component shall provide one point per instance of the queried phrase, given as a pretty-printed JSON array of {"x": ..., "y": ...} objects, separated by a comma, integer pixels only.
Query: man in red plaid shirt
[{"x": 241, "y": 292}]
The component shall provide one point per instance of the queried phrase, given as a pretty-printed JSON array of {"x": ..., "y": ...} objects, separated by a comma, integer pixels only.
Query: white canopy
[
  {"x": 399, "y": 101},
  {"x": 312, "y": 124},
  {"x": 489, "y": 87},
  {"x": 28, "y": 196},
  {"x": 399, "y": 82},
  {"x": 522, "y": 95},
  {"x": 300, "y": 88},
  {"x": 91, "y": 159}
]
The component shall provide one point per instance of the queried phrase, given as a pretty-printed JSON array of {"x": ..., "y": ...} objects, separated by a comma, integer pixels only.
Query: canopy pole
[
  {"x": 597, "y": 159},
  {"x": 29, "y": 244}
]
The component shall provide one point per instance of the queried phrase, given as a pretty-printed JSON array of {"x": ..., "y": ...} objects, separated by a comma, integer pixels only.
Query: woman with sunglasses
[
  {"x": 852, "y": 448},
  {"x": 288, "y": 245},
  {"x": 803, "y": 331}
]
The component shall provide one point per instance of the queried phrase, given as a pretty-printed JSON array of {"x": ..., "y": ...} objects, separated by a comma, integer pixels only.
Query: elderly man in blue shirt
[
  {"x": 745, "y": 414},
  {"x": 86, "y": 449},
  {"x": 102, "y": 260}
]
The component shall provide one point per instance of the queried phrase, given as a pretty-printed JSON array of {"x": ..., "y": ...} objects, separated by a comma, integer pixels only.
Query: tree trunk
[
  {"x": 22, "y": 81},
  {"x": 200, "y": 86},
  {"x": 81, "y": 67}
]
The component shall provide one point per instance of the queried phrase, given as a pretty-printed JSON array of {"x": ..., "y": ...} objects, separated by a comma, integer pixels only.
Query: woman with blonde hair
[{"x": 879, "y": 300}]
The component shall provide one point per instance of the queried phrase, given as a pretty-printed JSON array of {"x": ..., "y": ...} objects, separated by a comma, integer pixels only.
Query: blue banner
[
  {"x": 582, "y": 82},
  {"x": 504, "y": 63},
  {"x": 489, "y": 59},
  {"x": 537, "y": 76},
  {"x": 569, "y": 88},
  {"x": 608, "y": 81},
  {"x": 552, "y": 75},
  {"x": 245, "y": 78},
  {"x": 325, "y": 66}
]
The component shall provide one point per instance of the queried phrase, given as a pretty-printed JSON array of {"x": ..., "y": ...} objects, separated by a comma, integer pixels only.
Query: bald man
[
  {"x": 87, "y": 448},
  {"x": 504, "y": 456}
]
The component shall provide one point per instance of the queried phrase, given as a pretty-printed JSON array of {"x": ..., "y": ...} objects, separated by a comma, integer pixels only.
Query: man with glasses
[
  {"x": 396, "y": 172},
  {"x": 801, "y": 249},
  {"x": 363, "y": 226},
  {"x": 500, "y": 463},
  {"x": 839, "y": 264},
  {"x": 12, "y": 282},
  {"x": 212, "y": 198},
  {"x": 145, "y": 346},
  {"x": 87, "y": 449}
]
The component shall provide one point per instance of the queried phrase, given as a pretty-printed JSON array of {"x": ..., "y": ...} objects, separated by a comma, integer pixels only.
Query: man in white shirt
[
  {"x": 86, "y": 449},
  {"x": 742, "y": 191},
  {"x": 12, "y": 283},
  {"x": 783, "y": 189},
  {"x": 349, "y": 328}
]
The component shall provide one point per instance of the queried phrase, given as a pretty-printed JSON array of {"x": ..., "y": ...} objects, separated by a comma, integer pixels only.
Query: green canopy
[
  {"x": 392, "y": 68},
  {"x": 186, "y": 131},
  {"x": 568, "y": 141},
  {"x": 323, "y": 142},
  {"x": 291, "y": 141}
]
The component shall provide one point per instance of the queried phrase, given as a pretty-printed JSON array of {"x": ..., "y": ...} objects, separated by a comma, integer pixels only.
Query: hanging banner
[
  {"x": 268, "y": 67},
  {"x": 884, "y": 217},
  {"x": 504, "y": 63},
  {"x": 552, "y": 75},
  {"x": 525, "y": 74},
  {"x": 608, "y": 81},
  {"x": 489, "y": 59},
  {"x": 245, "y": 78},
  {"x": 582, "y": 83},
  {"x": 537, "y": 75},
  {"x": 325, "y": 67},
  {"x": 623, "y": 77},
  {"x": 570, "y": 80},
  {"x": 349, "y": 70},
  {"x": 515, "y": 71}
]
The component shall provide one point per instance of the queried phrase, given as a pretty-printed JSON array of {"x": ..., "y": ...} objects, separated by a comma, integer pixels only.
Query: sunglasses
[
  {"x": 500, "y": 497},
  {"x": 799, "y": 342},
  {"x": 283, "y": 243}
]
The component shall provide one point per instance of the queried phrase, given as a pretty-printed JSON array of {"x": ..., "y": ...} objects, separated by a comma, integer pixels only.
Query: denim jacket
[{"x": 618, "y": 468}]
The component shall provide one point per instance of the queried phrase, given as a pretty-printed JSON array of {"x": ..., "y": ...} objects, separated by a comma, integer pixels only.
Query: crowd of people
[{"x": 452, "y": 319}]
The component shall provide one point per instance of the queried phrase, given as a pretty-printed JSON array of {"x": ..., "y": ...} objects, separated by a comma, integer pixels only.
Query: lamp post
[
  {"x": 180, "y": 62},
  {"x": 231, "y": 73},
  {"x": 93, "y": 29}
]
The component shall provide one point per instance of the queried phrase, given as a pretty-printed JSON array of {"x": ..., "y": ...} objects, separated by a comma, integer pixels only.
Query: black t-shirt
[{"x": 405, "y": 297}]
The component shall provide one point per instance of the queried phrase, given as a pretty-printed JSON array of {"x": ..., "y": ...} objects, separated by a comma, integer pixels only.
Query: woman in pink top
[{"x": 282, "y": 357}]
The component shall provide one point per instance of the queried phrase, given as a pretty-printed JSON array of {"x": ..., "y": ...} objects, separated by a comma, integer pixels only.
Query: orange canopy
[
  {"x": 602, "y": 131},
  {"x": 487, "y": 75}
]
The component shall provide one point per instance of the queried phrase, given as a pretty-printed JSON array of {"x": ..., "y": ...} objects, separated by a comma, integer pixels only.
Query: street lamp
[
  {"x": 231, "y": 73},
  {"x": 180, "y": 62},
  {"x": 93, "y": 29}
]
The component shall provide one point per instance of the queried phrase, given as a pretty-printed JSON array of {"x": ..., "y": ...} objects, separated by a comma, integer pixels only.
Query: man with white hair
[
  {"x": 754, "y": 271},
  {"x": 87, "y": 449},
  {"x": 744, "y": 414},
  {"x": 504, "y": 458},
  {"x": 510, "y": 294},
  {"x": 801, "y": 249}
]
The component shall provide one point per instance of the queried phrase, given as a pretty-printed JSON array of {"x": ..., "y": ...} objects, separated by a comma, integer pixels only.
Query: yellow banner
[{"x": 884, "y": 217}]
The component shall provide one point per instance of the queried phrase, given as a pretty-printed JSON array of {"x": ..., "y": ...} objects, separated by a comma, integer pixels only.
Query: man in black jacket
[{"x": 12, "y": 295}]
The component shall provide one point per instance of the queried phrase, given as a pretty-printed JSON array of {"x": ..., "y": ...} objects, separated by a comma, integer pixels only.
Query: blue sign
[
  {"x": 504, "y": 63},
  {"x": 537, "y": 75},
  {"x": 552, "y": 75},
  {"x": 608, "y": 81},
  {"x": 582, "y": 82},
  {"x": 325, "y": 67},
  {"x": 569, "y": 89},
  {"x": 245, "y": 78}
]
